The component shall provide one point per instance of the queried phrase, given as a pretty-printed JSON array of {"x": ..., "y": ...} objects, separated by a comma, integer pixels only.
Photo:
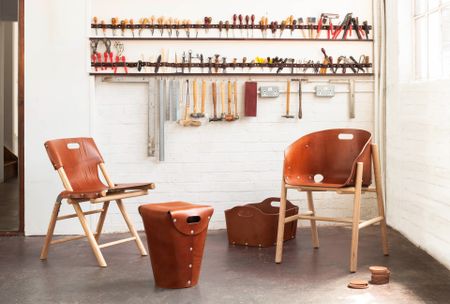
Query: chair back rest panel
[
  {"x": 332, "y": 154},
  {"x": 80, "y": 158}
]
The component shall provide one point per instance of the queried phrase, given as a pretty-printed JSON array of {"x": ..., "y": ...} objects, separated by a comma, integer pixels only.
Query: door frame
[{"x": 20, "y": 119}]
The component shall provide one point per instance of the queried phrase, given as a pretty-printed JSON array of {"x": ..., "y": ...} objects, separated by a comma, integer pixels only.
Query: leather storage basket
[
  {"x": 256, "y": 224},
  {"x": 176, "y": 234}
]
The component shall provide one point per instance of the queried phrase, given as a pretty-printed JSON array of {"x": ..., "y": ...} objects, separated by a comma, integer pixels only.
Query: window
[{"x": 431, "y": 22}]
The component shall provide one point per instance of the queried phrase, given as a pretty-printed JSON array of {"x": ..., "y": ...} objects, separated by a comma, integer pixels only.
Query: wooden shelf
[{"x": 224, "y": 39}]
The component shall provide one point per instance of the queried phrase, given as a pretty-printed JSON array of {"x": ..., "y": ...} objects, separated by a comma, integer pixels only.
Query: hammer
[
  {"x": 288, "y": 100},
  {"x": 196, "y": 113},
  {"x": 236, "y": 115},
  {"x": 214, "y": 95},
  {"x": 229, "y": 116}
]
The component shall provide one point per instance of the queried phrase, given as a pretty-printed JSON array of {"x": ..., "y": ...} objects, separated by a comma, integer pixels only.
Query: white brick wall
[
  {"x": 418, "y": 148},
  {"x": 222, "y": 164},
  {"x": 218, "y": 164}
]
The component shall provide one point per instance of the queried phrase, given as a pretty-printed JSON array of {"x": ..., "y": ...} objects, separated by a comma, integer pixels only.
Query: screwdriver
[
  {"x": 240, "y": 23},
  {"x": 253, "y": 23},
  {"x": 234, "y": 24},
  {"x": 247, "y": 21},
  {"x": 282, "y": 27},
  {"x": 132, "y": 26},
  {"x": 152, "y": 24},
  {"x": 95, "y": 20},
  {"x": 114, "y": 25},
  {"x": 227, "y": 27},
  {"x": 220, "y": 28}
]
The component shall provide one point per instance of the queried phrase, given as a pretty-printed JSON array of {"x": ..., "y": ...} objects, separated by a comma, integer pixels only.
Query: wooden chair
[
  {"x": 77, "y": 161},
  {"x": 337, "y": 160}
]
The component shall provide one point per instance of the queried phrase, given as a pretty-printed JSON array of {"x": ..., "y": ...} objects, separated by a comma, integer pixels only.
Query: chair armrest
[{"x": 125, "y": 187}]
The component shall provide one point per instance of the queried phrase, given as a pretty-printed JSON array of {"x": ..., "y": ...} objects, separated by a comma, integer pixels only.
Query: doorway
[{"x": 11, "y": 117}]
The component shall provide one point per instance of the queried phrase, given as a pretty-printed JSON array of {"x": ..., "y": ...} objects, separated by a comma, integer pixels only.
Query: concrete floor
[
  {"x": 9, "y": 205},
  {"x": 229, "y": 274}
]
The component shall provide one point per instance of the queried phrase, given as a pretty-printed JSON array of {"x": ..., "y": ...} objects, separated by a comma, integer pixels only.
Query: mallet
[
  {"x": 214, "y": 95},
  {"x": 229, "y": 116}
]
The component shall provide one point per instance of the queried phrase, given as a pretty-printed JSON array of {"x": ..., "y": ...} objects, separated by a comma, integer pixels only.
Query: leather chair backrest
[
  {"x": 332, "y": 154},
  {"x": 80, "y": 158}
]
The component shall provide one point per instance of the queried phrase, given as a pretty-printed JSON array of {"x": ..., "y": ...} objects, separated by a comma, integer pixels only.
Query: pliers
[
  {"x": 108, "y": 54},
  {"x": 95, "y": 57}
]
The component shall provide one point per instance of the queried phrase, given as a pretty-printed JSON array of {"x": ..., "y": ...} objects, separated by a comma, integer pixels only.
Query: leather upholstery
[
  {"x": 80, "y": 158},
  {"x": 329, "y": 153},
  {"x": 176, "y": 246},
  {"x": 256, "y": 224}
]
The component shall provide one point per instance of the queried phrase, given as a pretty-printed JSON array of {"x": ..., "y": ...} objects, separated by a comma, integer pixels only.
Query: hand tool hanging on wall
[
  {"x": 357, "y": 64},
  {"x": 208, "y": 21},
  {"x": 282, "y": 27},
  {"x": 169, "y": 23},
  {"x": 119, "y": 57},
  {"x": 300, "y": 94},
  {"x": 197, "y": 28},
  {"x": 161, "y": 96},
  {"x": 227, "y": 27},
  {"x": 152, "y": 20},
  {"x": 326, "y": 61},
  {"x": 252, "y": 18},
  {"x": 95, "y": 22},
  {"x": 229, "y": 116},
  {"x": 160, "y": 22},
  {"x": 108, "y": 53},
  {"x": 293, "y": 25},
  {"x": 94, "y": 54},
  {"x": 216, "y": 63},
  {"x": 222, "y": 98},
  {"x": 220, "y": 28},
  {"x": 247, "y": 22},
  {"x": 123, "y": 26},
  {"x": 203, "y": 105},
  {"x": 103, "y": 24},
  {"x": 114, "y": 25},
  {"x": 186, "y": 121},
  {"x": 235, "y": 99},
  {"x": 250, "y": 99},
  {"x": 240, "y": 24},
  {"x": 214, "y": 98},
  {"x": 177, "y": 27},
  {"x": 288, "y": 100},
  {"x": 187, "y": 28},
  {"x": 174, "y": 99},
  {"x": 132, "y": 27},
  {"x": 196, "y": 113},
  {"x": 143, "y": 22},
  {"x": 158, "y": 64},
  {"x": 311, "y": 23},
  {"x": 301, "y": 24},
  {"x": 234, "y": 25}
]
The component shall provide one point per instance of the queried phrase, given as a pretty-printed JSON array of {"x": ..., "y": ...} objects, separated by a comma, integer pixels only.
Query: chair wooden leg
[
  {"x": 50, "y": 230},
  {"x": 90, "y": 236},
  {"x": 314, "y": 234},
  {"x": 379, "y": 188},
  {"x": 281, "y": 223},
  {"x": 131, "y": 227},
  {"x": 356, "y": 217},
  {"x": 101, "y": 221}
]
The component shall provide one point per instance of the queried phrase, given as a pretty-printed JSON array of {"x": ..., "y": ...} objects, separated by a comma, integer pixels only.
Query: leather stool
[{"x": 176, "y": 234}]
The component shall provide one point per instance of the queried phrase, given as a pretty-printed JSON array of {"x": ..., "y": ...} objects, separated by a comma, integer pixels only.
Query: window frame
[{"x": 426, "y": 14}]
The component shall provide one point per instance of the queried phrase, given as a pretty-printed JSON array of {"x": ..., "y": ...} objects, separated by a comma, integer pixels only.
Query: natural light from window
[{"x": 431, "y": 21}]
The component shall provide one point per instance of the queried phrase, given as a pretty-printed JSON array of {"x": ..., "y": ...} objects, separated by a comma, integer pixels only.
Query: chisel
[{"x": 94, "y": 21}]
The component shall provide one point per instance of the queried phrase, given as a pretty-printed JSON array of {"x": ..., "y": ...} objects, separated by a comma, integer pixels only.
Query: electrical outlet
[
  {"x": 326, "y": 90},
  {"x": 269, "y": 91}
]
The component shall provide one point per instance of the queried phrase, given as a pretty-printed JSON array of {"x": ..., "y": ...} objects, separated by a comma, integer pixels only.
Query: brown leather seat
[
  {"x": 331, "y": 154},
  {"x": 337, "y": 160},
  {"x": 176, "y": 234},
  {"x": 78, "y": 161}
]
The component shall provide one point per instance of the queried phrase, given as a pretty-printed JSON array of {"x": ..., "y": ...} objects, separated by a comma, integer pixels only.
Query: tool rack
[{"x": 221, "y": 66}]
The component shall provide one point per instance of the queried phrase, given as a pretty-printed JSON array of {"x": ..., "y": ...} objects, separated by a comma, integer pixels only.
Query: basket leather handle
[{"x": 268, "y": 201}]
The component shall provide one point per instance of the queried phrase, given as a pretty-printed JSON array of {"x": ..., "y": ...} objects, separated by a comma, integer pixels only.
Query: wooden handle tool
[
  {"x": 222, "y": 97},
  {"x": 214, "y": 95},
  {"x": 288, "y": 100},
  {"x": 203, "y": 97},
  {"x": 229, "y": 116},
  {"x": 236, "y": 114}
]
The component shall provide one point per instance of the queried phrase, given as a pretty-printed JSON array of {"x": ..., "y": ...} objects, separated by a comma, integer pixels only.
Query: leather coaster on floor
[
  {"x": 358, "y": 284},
  {"x": 379, "y": 282},
  {"x": 378, "y": 269}
]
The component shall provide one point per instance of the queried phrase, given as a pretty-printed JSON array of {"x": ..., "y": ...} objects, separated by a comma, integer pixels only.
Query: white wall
[
  {"x": 418, "y": 145},
  {"x": 219, "y": 164}
]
